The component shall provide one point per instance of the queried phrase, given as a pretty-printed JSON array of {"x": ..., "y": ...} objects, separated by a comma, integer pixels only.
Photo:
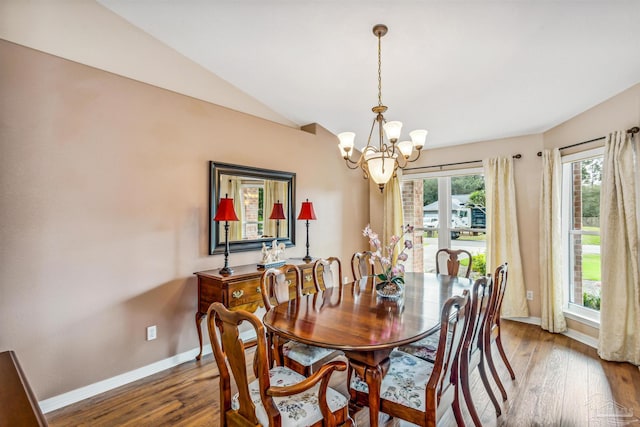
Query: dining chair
[
  {"x": 492, "y": 332},
  {"x": 276, "y": 289},
  {"x": 416, "y": 390},
  {"x": 454, "y": 262},
  {"x": 362, "y": 265},
  {"x": 327, "y": 273},
  {"x": 472, "y": 354},
  {"x": 278, "y": 396}
]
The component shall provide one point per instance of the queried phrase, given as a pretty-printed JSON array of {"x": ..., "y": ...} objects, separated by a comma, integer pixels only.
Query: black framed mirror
[{"x": 254, "y": 192}]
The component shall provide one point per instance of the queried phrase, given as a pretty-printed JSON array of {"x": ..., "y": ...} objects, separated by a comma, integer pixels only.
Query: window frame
[{"x": 571, "y": 310}]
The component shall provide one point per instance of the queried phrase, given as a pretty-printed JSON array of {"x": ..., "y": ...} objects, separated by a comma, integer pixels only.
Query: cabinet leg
[{"x": 199, "y": 317}]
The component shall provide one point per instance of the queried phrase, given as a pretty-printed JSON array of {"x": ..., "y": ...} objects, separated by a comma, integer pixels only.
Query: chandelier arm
[
  {"x": 410, "y": 160},
  {"x": 350, "y": 162}
]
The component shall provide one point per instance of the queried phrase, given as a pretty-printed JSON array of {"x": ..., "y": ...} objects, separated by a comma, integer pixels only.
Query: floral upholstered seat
[
  {"x": 426, "y": 348},
  {"x": 297, "y": 410},
  {"x": 305, "y": 354},
  {"x": 405, "y": 382}
]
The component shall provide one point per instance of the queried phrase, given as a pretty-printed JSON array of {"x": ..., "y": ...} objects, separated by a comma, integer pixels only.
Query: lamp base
[
  {"x": 307, "y": 259},
  {"x": 226, "y": 271}
]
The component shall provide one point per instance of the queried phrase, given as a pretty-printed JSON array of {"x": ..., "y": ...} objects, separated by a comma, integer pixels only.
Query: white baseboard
[
  {"x": 571, "y": 333},
  {"x": 73, "y": 396}
]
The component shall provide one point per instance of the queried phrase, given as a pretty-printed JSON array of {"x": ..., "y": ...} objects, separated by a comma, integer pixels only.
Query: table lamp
[
  {"x": 277, "y": 213},
  {"x": 307, "y": 213},
  {"x": 226, "y": 213}
]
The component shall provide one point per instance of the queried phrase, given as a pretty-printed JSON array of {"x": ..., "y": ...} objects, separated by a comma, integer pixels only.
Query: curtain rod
[
  {"x": 632, "y": 131},
  {"x": 515, "y": 156}
]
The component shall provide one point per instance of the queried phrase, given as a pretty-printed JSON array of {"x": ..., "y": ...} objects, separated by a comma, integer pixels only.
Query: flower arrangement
[{"x": 393, "y": 269}]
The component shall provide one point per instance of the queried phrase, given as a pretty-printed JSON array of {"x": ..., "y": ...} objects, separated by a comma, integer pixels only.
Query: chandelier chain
[{"x": 379, "y": 70}]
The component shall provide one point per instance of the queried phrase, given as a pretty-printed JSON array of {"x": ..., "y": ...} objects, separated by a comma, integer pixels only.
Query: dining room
[{"x": 119, "y": 149}]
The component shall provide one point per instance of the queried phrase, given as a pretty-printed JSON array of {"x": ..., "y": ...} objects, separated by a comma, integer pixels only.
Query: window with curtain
[
  {"x": 449, "y": 208},
  {"x": 581, "y": 182}
]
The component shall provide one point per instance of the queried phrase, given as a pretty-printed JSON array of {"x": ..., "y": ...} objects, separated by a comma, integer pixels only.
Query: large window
[
  {"x": 450, "y": 214},
  {"x": 582, "y": 178}
]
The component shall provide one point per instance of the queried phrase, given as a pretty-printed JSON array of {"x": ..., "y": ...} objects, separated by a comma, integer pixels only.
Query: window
[
  {"x": 582, "y": 179},
  {"x": 449, "y": 208}
]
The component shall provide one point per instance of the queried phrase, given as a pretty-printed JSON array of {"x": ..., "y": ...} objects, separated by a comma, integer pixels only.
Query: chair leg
[
  {"x": 466, "y": 391},
  {"x": 455, "y": 406},
  {"x": 504, "y": 356},
  {"x": 494, "y": 372},
  {"x": 487, "y": 386}
]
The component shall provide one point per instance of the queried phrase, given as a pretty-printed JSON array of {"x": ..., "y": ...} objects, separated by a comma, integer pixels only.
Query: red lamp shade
[
  {"x": 277, "y": 212},
  {"x": 306, "y": 211},
  {"x": 225, "y": 211}
]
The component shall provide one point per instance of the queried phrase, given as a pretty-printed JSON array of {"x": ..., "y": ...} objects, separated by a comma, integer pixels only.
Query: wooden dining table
[{"x": 365, "y": 326}]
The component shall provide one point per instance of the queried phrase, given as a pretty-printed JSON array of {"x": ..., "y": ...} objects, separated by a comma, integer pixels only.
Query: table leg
[
  {"x": 373, "y": 377},
  {"x": 199, "y": 317}
]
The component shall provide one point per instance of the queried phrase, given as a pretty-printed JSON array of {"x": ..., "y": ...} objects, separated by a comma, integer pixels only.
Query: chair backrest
[
  {"x": 444, "y": 378},
  {"x": 275, "y": 288},
  {"x": 500, "y": 285},
  {"x": 229, "y": 353},
  {"x": 454, "y": 262},
  {"x": 330, "y": 270},
  {"x": 361, "y": 265},
  {"x": 479, "y": 315}
]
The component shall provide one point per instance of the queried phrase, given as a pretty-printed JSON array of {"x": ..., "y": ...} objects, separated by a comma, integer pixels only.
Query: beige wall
[{"x": 104, "y": 218}]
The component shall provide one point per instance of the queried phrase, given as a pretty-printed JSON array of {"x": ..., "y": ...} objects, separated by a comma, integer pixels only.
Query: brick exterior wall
[{"x": 412, "y": 209}]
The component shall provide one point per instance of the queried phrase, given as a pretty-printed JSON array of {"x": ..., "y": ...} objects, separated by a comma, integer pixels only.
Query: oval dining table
[{"x": 365, "y": 326}]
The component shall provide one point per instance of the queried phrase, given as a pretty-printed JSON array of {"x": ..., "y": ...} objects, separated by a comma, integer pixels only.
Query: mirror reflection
[
  {"x": 264, "y": 202},
  {"x": 255, "y": 201}
]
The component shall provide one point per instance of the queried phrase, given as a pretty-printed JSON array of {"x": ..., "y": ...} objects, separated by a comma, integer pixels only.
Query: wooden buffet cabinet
[{"x": 239, "y": 291}]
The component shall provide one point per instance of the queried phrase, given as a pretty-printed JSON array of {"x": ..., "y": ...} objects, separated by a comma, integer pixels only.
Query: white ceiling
[{"x": 465, "y": 70}]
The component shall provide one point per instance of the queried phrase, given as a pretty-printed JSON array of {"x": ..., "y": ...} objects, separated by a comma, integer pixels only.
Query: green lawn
[
  {"x": 591, "y": 240},
  {"x": 591, "y": 267}
]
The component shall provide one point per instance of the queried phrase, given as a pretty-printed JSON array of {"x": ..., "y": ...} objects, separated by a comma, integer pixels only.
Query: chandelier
[{"x": 380, "y": 162}]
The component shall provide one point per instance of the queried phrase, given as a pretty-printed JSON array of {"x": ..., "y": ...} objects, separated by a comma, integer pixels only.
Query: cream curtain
[
  {"x": 392, "y": 213},
  {"x": 620, "y": 308},
  {"x": 274, "y": 191},
  {"x": 502, "y": 232},
  {"x": 551, "y": 292}
]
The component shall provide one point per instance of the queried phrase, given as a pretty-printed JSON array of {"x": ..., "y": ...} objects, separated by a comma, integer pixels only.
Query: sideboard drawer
[{"x": 241, "y": 293}]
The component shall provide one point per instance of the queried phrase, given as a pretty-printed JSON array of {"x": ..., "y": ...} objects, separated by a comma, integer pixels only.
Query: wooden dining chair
[
  {"x": 327, "y": 273},
  {"x": 472, "y": 354},
  {"x": 492, "y": 332},
  {"x": 362, "y": 265},
  {"x": 454, "y": 262},
  {"x": 295, "y": 401},
  {"x": 276, "y": 289},
  {"x": 416, "y": 390}
]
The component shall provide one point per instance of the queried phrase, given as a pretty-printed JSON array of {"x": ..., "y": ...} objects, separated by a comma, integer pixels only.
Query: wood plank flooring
[{"x": 559, "y": 382}]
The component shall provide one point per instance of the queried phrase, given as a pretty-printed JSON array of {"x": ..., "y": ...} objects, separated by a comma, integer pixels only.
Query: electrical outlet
[
  {"x": 530, "y": 295},
  {"x": 152, "y": 333}
]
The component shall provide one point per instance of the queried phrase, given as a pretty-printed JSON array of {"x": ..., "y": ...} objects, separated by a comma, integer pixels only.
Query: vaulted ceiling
[{"x": 465, "y": 70}]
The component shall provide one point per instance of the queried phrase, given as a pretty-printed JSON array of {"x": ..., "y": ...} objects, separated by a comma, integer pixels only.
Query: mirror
[{"x": 254, "y": 192}]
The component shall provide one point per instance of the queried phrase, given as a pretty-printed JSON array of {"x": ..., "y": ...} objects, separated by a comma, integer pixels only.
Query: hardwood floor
[{"x": 559, "y": 382}]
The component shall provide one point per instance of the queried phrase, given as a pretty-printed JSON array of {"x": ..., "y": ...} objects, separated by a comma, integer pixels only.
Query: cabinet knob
[{"x": 238, "y": 293}]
